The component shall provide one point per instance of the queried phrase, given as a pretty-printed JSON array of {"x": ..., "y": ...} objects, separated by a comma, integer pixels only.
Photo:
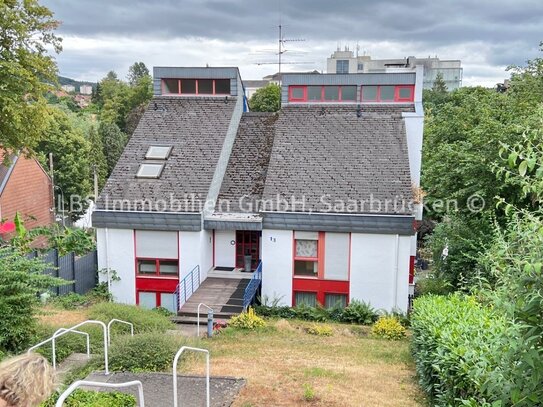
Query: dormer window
[
  {"x": 322, "y": 93},
  {"x": 150, "y": 170},
  {"x": 196, "y": 87},
  {"x": 388, "y": 93},
  {"x": 158, "y": 152}
]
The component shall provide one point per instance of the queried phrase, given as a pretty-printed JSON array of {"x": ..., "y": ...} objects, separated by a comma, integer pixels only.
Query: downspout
[
  {"x": 396, "y": 262},
  {"x": 107, "y": 262}
]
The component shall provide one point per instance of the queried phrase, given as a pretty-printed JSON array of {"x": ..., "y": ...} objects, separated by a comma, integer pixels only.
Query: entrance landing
[{"x": 223, "y": 294}]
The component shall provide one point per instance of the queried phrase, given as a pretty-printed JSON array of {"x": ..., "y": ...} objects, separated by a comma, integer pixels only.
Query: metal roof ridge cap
[
  {"x": 341, "y": 214},
  {"x": 151, "y": 212}
]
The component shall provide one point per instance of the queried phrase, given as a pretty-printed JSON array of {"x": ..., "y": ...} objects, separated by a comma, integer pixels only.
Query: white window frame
[{"x": 139, "y": 174}]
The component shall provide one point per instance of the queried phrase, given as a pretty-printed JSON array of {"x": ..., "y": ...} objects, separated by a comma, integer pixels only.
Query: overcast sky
[{"x": 103, "y": 35}]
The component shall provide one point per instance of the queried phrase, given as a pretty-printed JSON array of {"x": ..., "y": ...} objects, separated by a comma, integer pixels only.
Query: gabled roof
[
  {"x": 196, "y": 127},
  {"x": 328, "y": 151},
  {"x": 243, "y": 182}
]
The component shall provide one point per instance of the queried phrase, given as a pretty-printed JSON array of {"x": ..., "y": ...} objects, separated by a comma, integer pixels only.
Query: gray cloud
[{"x": 508, "y": 32}]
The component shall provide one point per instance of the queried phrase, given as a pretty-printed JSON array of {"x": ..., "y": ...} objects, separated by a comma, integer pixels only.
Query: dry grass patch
[
  {"x": 57, "y": 317},
  {"x": 285, "y": 366}
]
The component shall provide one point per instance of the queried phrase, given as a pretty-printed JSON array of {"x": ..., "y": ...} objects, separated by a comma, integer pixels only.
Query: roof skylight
[
  {"x": 150, "y": 170},
  {"x": 158, "y": 152}
]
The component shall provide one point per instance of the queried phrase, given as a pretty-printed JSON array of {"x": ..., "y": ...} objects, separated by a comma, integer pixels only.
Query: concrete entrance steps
[
  {"x": 224, "y": 295},
  {"x": 71, "y": 362}
]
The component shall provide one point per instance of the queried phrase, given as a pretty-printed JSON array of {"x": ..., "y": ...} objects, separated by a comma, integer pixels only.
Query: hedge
[
  {"x": 459, "y": 346},
  {"x": 144, "y": 320}
]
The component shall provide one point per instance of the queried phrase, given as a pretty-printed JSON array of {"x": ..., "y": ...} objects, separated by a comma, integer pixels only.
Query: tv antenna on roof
[{"x": 282, "y": 50}]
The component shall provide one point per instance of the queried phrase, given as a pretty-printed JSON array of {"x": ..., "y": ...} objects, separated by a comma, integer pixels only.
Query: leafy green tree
[
  {"x": 267, "y": 99},
  {"x": 461, "y": 146},
  {"x": 71, "y": 158},
  {"x": 97, "y": 157},
  {"x": 114, "y": 141},
  {"x": 457, "y": 242},
  {"x": 437, "y": 96},
  {"x": 136, "y": 72},
  {"x": 21, "y": 279},
  {"x": 27, "y": 32},
  {"x": 526, "y": 86}
]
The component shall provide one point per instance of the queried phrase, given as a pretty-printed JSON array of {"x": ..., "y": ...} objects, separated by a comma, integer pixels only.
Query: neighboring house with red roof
[
  {"x": 25, "y": 187},
  {"x": 317, "y": 198}
]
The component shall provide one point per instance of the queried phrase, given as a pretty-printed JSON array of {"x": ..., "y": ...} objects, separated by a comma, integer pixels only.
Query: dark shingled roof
[
  {"x": 196, "y": 128},
  {"x": 246, "y": 172},
  {"x": 328, "y": 150}
]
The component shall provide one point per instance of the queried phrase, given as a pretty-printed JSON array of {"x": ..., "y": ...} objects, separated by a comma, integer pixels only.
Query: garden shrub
[
  {"x": 163, "y": 311},
  {"x": 275, "y": 311},
  {"x": 320, "y": 330},
  {"x": 433, "y": 284},
  {"x": 247, "y": 320},
  {"x": 21, "y": 279},
  {"x": 146, "y": 352},
  {"x": 93, "y": 399},
  {"x": 359, "y": 312},
  {"x": 388, "y": 327},
  {"x": 70, "y": 301},
  {"x": 458, "y": 344},
  {"x": 143, "y": 320}
]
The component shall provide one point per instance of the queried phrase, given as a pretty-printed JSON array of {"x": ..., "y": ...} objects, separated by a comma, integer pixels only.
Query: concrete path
[
  {"x": 191, "y": 390},
  {"x": 71, "y": 362}
]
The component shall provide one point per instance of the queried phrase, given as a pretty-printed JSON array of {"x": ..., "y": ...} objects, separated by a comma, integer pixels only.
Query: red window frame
[
  {"x": 294, "y": 292},
  {"x": 157, "y": 268},
  {"x": 158, "y": 299},
  {"x": 319, "y": 259},
  {"x": 319, "y": 284},
  {"x": 397, "y": 97},
  {"x": 322, "y": 99},
  {"x": 192, "y": 94},
  {"x": 292, "y": 98},
  {"x": 396, "y": 94}
]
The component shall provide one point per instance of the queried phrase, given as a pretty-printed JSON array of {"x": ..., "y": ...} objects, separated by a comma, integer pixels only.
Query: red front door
[{"x": 247, "y": 243}]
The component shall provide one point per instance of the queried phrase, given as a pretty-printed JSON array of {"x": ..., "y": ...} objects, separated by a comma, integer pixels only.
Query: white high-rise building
[{"x": 347, "y": 62}]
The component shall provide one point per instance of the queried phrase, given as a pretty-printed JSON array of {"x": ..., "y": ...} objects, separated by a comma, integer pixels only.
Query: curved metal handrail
[
  {"x": 72, "y": 329},
  {"x": 176, "y": 359},
  {"x": 75, "y": 332},
  {"x": 78, "y": 383},
  {"x": 120, "y": 321},
  {"x": 198, "y": 317}
]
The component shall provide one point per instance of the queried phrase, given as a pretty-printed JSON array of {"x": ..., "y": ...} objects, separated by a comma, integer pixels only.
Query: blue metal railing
[
  {"x": 252, "y": 287},
  {"x": 186, "y": 287}
]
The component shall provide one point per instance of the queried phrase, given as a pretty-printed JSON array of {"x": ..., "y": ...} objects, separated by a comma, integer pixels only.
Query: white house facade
[{"x": 317, "y": 198}]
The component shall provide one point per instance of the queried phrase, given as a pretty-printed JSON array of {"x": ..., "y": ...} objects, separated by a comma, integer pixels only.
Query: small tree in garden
[
  {"x": 21, "y": 280},
  {"x": 266, "y": 99}
]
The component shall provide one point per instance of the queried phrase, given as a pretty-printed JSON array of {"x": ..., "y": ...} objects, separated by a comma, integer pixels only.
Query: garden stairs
[{"x": 221, "y": 290}]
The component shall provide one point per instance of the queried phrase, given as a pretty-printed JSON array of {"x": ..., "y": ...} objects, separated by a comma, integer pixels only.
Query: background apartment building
[{"x": 347, "y": 62}]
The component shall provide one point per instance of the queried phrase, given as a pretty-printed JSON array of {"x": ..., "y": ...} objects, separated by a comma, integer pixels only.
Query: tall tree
[
  {"x": 71, "y": 155},
  {"x": 439, "y": 84},
  {"x": 114, "y": 141},
  {"x": 26, "y": 34},
  {"x": 267, "y": 99},
  {"x": 137, "y": 71},
  {"x": 97, "y": 157}
]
